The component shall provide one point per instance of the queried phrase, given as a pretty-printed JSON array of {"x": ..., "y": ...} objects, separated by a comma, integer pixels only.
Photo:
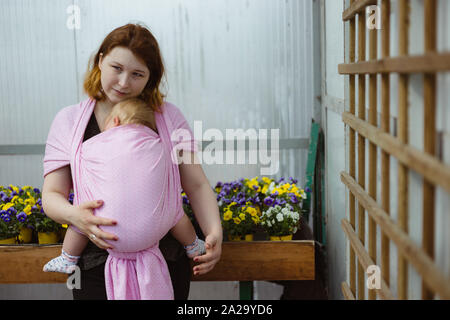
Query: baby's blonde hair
[{"x": 134, "y": 111}]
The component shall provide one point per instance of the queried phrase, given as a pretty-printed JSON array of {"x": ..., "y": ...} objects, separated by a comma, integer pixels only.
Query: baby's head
[{"x": 130, "y": 111}]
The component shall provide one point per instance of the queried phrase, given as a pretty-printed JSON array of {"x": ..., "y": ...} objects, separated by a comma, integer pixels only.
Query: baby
[{"x": 130, "y": 111}]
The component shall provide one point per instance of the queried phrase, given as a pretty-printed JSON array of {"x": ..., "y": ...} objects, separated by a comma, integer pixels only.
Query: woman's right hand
[{"x": 86, "y": 222}]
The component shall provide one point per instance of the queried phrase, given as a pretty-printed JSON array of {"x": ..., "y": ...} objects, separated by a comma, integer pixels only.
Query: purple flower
[
  {"x": 281, "y": 202},
  {"x": 219, "y": 184},
  {"x": 11, "y": 211},
  {"x": 22, "y": 216},
  {"x": 4, "y": 215},
  {"x": 268, "y": 201},
  {"x": 307, "y": 189},
  {"x": 36, "y": 190},
  {"x": 39, "y": 202},
  {"x": 294, "y": 199}
]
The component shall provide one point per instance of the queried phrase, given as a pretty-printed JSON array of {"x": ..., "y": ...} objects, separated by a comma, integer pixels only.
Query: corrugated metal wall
[{"x": 230, "y": 63}]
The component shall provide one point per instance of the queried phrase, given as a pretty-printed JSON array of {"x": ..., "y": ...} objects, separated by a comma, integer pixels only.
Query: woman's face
[{"x": 123, "y": 75}]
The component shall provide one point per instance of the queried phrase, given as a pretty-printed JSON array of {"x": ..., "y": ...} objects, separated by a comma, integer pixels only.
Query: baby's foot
[
  {"x": 195, "y": 249},
  {"x": 65, "y": 263}
]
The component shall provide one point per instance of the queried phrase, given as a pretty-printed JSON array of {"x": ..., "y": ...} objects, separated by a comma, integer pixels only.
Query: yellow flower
[
  {"x": 31, "y": 201},
  {"x": 27, "y": 210},
  {"x": 252, "y": 211},
  {"x": 65, "y": 226},
  {"x": 242, "y": 216},
  {"x": 8, "y": 205},
  {"x": 255, "y": 219},
  {"x": 266, "y": 180},
  {"x": 13, "y": 200},
  {"x": 237, "y": 220},
  {"x": 265, "y": 188},
  {"x": 14, "y": 188},
  {"x": 227, "y": 215}
]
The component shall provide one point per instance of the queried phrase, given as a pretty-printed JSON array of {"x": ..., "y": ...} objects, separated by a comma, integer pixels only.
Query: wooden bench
[{"x": 241, "y": 261}]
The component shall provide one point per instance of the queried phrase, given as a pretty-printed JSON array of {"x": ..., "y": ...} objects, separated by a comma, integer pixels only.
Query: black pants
[{"x": 93, "y": 281}]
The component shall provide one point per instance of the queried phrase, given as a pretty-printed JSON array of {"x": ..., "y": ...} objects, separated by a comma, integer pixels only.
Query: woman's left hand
[{"x": 207, "y": 261}]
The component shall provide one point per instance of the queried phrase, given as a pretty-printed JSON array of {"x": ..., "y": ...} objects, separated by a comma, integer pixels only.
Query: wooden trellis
[{"x": 362, "y": 196}]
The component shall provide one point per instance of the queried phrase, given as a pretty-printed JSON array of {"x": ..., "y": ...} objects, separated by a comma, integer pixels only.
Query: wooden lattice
[{"x": 362, "y": 195}]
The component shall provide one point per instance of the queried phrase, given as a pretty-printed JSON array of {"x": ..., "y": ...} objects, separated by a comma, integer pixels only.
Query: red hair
[{"x": 143, "y": 44}]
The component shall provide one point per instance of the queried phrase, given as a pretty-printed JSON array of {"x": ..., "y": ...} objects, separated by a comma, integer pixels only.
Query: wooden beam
[
  {"x": 364, "y": 258},
  {"x": 24, "y": 263},
  {"x": 357, "y": 7},
  {"x": 348, "y": 294},
  {"x": 263, "y": 261},
  {"x": 427, "y": 63},
  {"x": 427, "y": 165},
  {"x": 241, "y": 261}
]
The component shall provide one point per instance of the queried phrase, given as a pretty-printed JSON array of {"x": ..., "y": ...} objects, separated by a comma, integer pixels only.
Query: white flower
[
  {"x": 280, "y": 217},
  {"x": 295, "y": 230},
  {"x": 269, "y": 224}
]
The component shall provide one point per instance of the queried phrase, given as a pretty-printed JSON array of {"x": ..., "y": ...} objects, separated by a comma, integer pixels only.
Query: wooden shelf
[{"x": 241, "y": 261}]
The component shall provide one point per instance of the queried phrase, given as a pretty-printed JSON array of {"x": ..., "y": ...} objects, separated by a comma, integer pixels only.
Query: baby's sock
[
  {"x": 65, "y": 263},
  {"x": 197, "y": 248}
]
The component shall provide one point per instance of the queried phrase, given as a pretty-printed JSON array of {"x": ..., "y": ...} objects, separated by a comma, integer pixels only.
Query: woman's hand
[
  {"x": 207, "y": 261},
  {"x": 84, "y": 219}
]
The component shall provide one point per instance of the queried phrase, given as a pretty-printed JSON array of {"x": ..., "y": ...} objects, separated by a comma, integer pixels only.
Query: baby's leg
[
  {"x": 184, "y": 232},
  {"x": 73, "y": 245},
  {"x": 74, "y": 242}
]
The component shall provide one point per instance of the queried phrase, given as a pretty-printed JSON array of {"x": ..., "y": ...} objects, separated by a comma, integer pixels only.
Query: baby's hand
[{"x": 196, "y": 249}]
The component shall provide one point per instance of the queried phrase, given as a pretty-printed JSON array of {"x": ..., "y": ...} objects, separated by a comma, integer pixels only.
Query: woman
[{"x": 128, "y": 64}]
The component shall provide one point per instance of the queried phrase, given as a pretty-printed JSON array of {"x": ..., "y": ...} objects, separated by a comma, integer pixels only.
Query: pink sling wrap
[{"x": 131, "y": 168}]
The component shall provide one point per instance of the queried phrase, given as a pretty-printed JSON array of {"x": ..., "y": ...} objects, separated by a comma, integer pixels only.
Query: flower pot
[
  {"x": 8, "y": 241},
  {"x": 281, "y": 238},
  {"x": 26, "y": 235},
  {"x": 48, "y": 237},
  {"x": 247, "y": 237}
]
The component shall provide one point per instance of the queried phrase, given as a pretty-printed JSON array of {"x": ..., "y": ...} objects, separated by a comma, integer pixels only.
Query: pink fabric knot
[{"x": 141, "y": 275}]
